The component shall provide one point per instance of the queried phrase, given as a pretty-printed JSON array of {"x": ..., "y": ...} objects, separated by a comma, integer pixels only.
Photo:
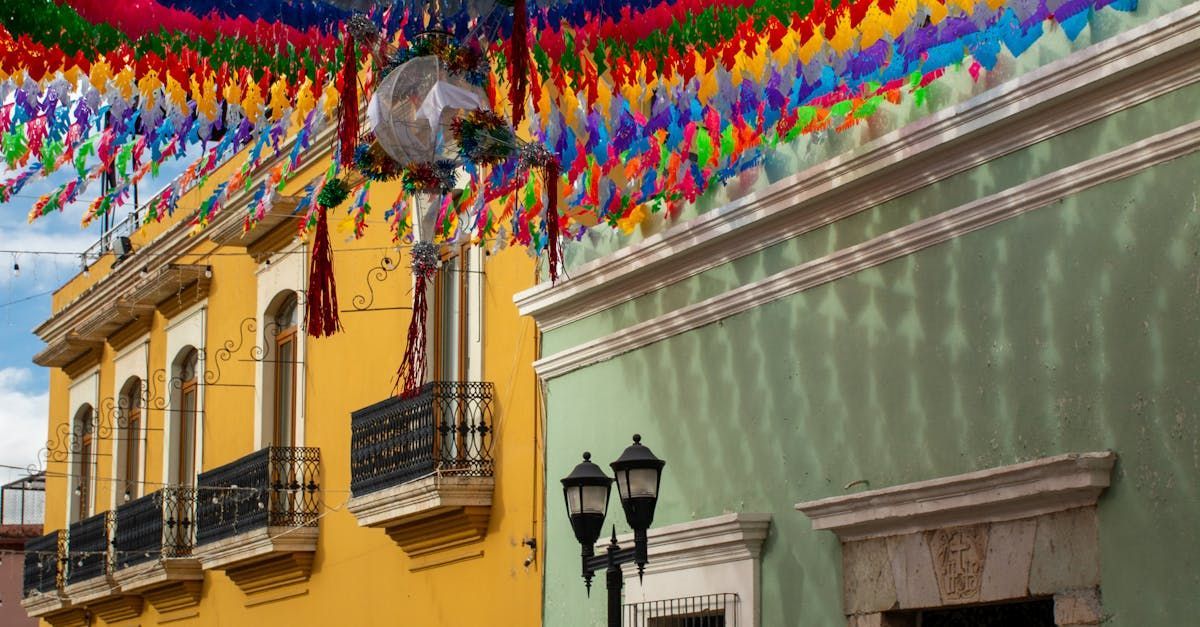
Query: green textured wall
[{"x": 1070, "y": 328}]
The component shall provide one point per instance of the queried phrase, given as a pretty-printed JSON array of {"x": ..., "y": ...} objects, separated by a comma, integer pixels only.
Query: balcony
[
  {"x": 256, "y": 518},
  {"x": 152, "y": 548},
  {"x": 45, "y": 566},
  {"x": 89, "y": 565},
  {"x": 421, "y": 466}
]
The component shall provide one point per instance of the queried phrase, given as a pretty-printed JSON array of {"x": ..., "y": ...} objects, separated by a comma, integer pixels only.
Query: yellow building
[{"x": 208, "y": 462}]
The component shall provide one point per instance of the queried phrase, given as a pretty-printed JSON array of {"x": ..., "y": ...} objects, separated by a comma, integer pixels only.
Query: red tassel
[
  {"x": 552, "y": 248},
  {"x": 321, "y": 316},
  {"x": 411, "y": 375},
  {"x": 518, "y": 61},
  {"x": 348, "y": 124}
]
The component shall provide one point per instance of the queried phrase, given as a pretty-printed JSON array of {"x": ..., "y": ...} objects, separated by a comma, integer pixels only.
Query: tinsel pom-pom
[
  {"x": 333, "y": 194},
  {"x": 424, "y": 258},
  {"x": 362, "y": 29},
  {"x": 426, "y": 177},
  {"x": 375, "y": 164},
  {"x": 483, "y": 137},
  {"x": 411, "y": 374}
]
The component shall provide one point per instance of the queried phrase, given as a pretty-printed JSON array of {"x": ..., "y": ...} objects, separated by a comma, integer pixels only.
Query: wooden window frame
[
  {"x": 288, "y": 335},
  {"x": 133, "y": 440},
  {"x": 189, "y": 387},
  {"x": 85, "y": 465}
]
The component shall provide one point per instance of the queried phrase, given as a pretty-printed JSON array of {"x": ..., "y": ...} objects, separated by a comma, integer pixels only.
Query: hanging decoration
[
  {"x": 411, "y": 375},
  {"x": 615, "y": 110},
  {"x": 348, "y": 119},
  {"x": 321, "y": 315}
]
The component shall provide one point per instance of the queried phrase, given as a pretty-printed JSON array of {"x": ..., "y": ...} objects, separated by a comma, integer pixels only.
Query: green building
[{"x": 942, "y": 368}]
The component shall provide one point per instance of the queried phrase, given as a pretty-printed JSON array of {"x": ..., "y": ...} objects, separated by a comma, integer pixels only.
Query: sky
[{"x": 25, "y": 303}]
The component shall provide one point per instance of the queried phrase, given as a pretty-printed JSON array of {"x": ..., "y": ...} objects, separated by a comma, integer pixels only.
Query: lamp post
[{"x": 586, "y": 490}]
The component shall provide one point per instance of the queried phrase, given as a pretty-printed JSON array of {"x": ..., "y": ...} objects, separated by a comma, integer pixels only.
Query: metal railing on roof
[{"x": 23, "y": 502}]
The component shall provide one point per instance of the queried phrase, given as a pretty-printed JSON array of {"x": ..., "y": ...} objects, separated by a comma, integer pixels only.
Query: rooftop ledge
[
  {"x": 1024, "y": 490},
  {"x": 73, "y": 332}
]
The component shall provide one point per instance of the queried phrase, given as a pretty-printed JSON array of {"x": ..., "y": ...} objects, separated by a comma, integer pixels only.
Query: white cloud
[{"x": 24, "y": 406}]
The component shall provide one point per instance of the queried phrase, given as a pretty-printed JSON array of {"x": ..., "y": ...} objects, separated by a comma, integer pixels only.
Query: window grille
[{"x": 709, "y": 610}]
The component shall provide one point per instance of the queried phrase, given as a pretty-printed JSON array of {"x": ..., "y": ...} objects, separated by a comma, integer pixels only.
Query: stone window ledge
[
  {"x": 430, "y": 514},
  {"x": 1033, "y": 488}
]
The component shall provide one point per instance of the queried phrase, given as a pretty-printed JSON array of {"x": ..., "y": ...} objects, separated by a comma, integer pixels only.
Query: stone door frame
[{"x": 1011, "y": 533}]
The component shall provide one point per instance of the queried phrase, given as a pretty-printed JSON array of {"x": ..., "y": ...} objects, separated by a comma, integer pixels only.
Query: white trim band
[{"x": 975, "y": 215}]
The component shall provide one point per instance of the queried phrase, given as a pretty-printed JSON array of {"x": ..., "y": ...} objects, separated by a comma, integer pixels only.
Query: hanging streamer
[
  {"x": 411, "y": 375},
  {"x": 348, "y": 125},
  {"x": 321, "y": 316}
]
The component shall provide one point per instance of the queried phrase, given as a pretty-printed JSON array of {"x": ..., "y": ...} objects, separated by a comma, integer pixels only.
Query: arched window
[
  {"x": 131, "y": 435},
  {"x": 185, "y": 467},
  {"x": 84, "y": 461},
  {"x": 283, "y": 390}
]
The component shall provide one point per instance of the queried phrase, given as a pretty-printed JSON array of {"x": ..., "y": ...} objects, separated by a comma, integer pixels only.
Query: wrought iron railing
[
  {"x": 444, "y": 428},
  {"x": 709, "y": 610},
  {"x": 158, "y": 525},
  {"x": 274, "y": 487},
  {"x": 88, "y": 543},
  {"x": 44, "y": 558}
]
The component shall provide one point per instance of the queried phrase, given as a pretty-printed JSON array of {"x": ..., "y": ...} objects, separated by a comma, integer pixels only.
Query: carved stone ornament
[{"x": 958, "y": 560}]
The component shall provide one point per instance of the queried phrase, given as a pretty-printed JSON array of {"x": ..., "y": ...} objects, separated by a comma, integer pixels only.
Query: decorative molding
[
  {"x": 980, "y": 213},
  {"x": 175, "y": 241},
  {"x": 117, "y": 607},
  {"x": 430, "y": 514},
  {"x": 255, "y": 544},
  {"x": 264, "y": 559},
  {"x": 89, "y": 591},
  {"x": 168, "y": 584},
  {"x": 718, "y": 540},
  {"x": 1034, "y": 488},
  {"x": 132, "y": 308},
  {"x": 234, "y": 233},
  {"x": 1146, "y": 62},
  {"x": 46, "y": 604}
]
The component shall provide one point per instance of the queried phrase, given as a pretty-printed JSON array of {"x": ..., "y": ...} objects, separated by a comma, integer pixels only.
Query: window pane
[
  {"x": 284, "y": 393},
  {"x": 187, "y": 436},
  {"x": 448, "y": 324}
]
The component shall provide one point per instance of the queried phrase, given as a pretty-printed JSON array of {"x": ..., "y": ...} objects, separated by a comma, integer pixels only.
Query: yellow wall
[{"x": 360, "y": 576}]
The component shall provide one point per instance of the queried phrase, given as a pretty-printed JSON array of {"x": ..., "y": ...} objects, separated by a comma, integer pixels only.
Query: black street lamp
[{"x": 587, "y": 488}]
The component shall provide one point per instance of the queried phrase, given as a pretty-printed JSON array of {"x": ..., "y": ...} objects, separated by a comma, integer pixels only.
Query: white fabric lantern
[{"x": 413, "y": 107}]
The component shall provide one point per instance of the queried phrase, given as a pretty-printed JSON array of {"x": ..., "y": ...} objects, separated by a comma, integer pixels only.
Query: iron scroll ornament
[{"x": 112, "y": 414}]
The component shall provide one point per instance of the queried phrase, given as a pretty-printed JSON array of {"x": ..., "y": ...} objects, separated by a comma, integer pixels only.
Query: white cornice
[
  {"x": 717, "y": 540},
  {"x": 1034, "y": 488},
  {"x": 1116, "y": 74},
  {"x": 172, "y": 243},
  {"x": 980, "y": 213}
]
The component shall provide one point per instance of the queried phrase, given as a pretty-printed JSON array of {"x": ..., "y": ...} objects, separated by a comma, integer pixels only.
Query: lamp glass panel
[
  {"x": 595, "y": 499},
  {"x": 642, "y": 482},
  {"x": 574, "y": 496}
]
